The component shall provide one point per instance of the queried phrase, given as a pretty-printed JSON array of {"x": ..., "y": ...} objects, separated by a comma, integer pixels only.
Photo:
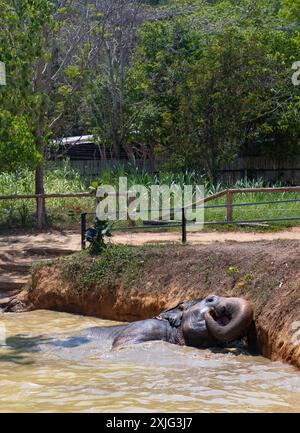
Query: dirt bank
[{"x": 131, "y": 283}]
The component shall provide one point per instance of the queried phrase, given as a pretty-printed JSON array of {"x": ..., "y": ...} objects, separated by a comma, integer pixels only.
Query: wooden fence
[
  {"x": 242, "y": 168},
  {"x": 229, "y": 193},
  {"x": 269, "y": 170}
]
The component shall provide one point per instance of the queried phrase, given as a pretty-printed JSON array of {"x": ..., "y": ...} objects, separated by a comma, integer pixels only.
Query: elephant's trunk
[{"x": 240, "y": 315}]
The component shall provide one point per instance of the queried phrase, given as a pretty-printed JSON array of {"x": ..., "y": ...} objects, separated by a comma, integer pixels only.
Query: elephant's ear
[{"x": 174, "y": 315}]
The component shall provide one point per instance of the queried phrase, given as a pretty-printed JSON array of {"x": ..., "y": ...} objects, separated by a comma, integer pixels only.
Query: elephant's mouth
[{"x": 221, "y": 317}]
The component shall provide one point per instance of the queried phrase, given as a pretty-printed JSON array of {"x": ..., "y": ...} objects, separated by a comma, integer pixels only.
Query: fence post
[
  {"x": 229, "y": 202},
  {"x": 83, "y": 230},
  {"x": 131, "y": 198},
  {"x": 40, "y": 212},
  {"x": 183, "y": 226}
]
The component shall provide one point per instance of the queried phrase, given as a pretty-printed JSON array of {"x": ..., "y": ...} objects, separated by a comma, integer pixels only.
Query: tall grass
[
  {"x": 58, "y": 180},
  {"x": 135, "y": 176}
]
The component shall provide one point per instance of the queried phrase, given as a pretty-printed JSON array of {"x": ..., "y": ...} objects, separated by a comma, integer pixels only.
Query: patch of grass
[
  {"x": 207, "y": 273},
  {"x": 232, "y": 270},
  {"x": 21, "y": 213},
  {"x": 36, "y": 266},
  {"x": 115, "y": 262}
]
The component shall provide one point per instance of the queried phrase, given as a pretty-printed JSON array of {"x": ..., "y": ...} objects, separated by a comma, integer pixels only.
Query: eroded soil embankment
[{"x": 131, "y": 283}]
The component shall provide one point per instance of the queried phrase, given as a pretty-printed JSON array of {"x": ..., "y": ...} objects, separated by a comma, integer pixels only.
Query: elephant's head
[{"x": 228, "y": 318}]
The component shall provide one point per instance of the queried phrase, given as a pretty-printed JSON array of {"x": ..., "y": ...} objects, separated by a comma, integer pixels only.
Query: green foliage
[
  {"x": 41, "y": 77},
  {"x": 17, "y": 143},
  {"x": 232, "y": 270},
  {"x": 21, "y": 44},
  {"x": 116, "y": 261},
  {"x": 217, "y": 84},
  {"x": 103, "y": 229},
  {"x": 205, "y": 83},
  {"x": 290, "y": 10}
]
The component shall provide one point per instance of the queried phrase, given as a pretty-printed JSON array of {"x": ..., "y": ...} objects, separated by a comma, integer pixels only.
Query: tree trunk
[
  {"x": 39, "y": 177},
  {"x": 39, "y": 133},
  {"x": 40, "y": 202},
  {"x": 151, "y": 156}
]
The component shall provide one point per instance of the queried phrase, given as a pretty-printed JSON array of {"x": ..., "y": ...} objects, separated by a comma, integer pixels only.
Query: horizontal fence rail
[{"x": 44, "y": 196}]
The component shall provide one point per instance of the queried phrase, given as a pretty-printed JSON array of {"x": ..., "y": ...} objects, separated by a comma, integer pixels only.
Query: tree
[
  {"x": 106, "y": 94},
  {"x": 45, "y": 47},
  {"x": 17, "y": 143},
  {"x": 196, "y": 83},
  {"x": 220, "y": 79}
]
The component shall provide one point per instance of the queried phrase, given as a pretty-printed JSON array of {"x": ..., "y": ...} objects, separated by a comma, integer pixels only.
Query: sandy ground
[
  {"x": 15, "y": 243},
  {"x": 206, "y": 237}
]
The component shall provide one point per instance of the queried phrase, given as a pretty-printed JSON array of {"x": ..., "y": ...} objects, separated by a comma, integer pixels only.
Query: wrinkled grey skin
[{"x": 209, "y": 322}]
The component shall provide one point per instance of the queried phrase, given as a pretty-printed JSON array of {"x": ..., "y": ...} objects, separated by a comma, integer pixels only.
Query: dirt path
[
  {"x": 22, "y": 244},
  {"x": 19, "y": 251},
  {"x": 206, "y": 237},
  {"x": 53, "y": 239}
]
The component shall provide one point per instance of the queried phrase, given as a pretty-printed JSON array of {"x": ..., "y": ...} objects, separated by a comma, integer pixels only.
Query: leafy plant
[
  {"x": 97, "y": 236},
  {"x": 232, "y": 270}
]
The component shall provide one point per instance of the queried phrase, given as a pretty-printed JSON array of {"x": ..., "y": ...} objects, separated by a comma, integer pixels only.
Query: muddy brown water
[{"x": 38, "y": 374}]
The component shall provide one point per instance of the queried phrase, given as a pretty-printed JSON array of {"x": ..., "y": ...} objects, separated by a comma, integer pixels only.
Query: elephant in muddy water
[{"x": 210, "y": 322}]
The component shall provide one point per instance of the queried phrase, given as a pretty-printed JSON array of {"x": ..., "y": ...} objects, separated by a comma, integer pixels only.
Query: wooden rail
[
  {"x": 279, "y": 189},
  {"x": 205, "y": 200},
  {"x": 36, "y": 196}
]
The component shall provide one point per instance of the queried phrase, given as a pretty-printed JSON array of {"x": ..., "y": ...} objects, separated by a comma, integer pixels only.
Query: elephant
[{"x": 200, "y": 323}]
